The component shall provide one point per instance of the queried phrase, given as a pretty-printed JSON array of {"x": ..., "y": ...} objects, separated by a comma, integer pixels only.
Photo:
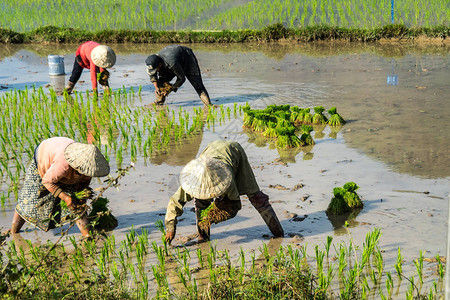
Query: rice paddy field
[
  {"x": 394, "y": 146},
  {"x": 217, "y": 15},
  {"x": 280, "y": 101}
]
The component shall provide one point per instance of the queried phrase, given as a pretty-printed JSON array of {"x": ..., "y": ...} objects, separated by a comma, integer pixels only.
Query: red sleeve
[{"x": 93, "y": 75}]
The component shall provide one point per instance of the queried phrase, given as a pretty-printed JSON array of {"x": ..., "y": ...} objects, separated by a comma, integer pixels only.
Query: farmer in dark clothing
[{"x": 179, "y": 61}]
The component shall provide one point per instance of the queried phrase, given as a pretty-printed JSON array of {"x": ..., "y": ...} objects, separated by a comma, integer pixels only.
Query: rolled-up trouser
[
  {"x": 200, "y": 205},
  {"x": 260, "y": 202}
]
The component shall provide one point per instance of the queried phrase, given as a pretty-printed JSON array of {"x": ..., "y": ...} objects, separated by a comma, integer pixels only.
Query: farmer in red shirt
[{"x": 96, "y": 57}]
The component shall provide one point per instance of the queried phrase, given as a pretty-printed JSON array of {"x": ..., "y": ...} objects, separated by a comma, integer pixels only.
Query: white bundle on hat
[
  {"x": 206, "y": 177},
  {"x": 103, "y": 56},
  {"x": 86, "y": 159}
]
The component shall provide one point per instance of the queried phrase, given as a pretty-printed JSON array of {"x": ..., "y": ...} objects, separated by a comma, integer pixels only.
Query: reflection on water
[
  {"x": 392, "y": 79},
  {"x": 338, "y": 221}
]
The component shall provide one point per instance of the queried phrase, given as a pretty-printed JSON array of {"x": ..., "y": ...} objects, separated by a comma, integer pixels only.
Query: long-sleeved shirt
[
  {"x": 84, "y": 51},
  {"x": 179, "y": 61},
  {"x": 242, "y": 183},
  {"x": 53, "y": 166}
]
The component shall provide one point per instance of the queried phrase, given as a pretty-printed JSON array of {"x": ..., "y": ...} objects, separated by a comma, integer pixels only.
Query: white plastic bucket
[{"x": 56, "y": 65}]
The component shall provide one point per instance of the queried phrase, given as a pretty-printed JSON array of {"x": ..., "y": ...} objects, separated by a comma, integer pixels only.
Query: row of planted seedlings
[
  {"x": 290, "y": 127},
  {"x": 140, "y": 268},
  {"x": 118, "y": 125}
]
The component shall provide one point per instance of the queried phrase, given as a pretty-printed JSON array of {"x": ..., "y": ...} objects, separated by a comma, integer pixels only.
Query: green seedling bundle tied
[
  {"x": 101, "y": 217},
  {"x": 335, "y": 119},
  {"x": 345, "y": 199},
  {"x": 282, "y": 123}
]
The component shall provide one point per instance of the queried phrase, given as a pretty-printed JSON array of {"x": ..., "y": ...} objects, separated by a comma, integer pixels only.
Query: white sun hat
[
  {"x": 206, "y": 177},
  {"x": 86, "y": 159},
  {"x": 103, "y": 56}
]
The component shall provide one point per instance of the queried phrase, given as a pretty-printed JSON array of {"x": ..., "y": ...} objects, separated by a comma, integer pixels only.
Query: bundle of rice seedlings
[
  {"x": 307, "y": 116},
  {"x": 101, "y": 217},
  {"x": 335, "y": 118},
  {"x": 351, "y": 197},
  {"x": 270, "y": 131},
  {"x": 345, "y": 199},
  {"x": 248, "y": 118},
  {"x": 287, "y": 138},
  {"x": 296, "y": 115},
  {"x": 165, "y": 89},
  {"x": 282, "y": 115},
  {"x": 318, "y": 117},
  {"x": 337, "y": 204},
  {"x": 306, "y": 139},
  {"x": 260, "y": 122},
  {"x": 306, "y": 128},
  {"x": 282, "y": 123},
  {"x": 214, "y": 213}
]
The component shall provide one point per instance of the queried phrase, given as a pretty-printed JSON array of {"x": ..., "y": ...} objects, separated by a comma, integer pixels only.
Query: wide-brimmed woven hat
[
  {"x": 103, "y": 56},
  {"x": 206, "y": 177},
  {"x": 86, "y": 159}
]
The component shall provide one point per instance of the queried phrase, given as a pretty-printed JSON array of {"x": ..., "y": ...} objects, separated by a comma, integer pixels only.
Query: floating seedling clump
[
  {"x": 345, "y": 199},
  {"x": 335, "y": 119}
]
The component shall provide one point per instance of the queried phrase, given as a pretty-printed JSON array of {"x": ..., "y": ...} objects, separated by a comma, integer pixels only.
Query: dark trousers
[{"x": 77, "y": 70}]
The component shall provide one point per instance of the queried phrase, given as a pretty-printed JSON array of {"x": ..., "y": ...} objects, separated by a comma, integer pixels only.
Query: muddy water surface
[{"x": 394, "y": 146}]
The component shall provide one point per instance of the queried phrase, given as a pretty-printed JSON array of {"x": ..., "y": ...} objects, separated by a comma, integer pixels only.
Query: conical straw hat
[
  {"x": 206, "y": 177},
  {"x": 103, "y": 56},
  {"x": 86, "y": 159}
]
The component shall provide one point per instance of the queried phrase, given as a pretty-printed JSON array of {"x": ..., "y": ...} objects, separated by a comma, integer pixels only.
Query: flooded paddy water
[{"x": 394, "y": 145}]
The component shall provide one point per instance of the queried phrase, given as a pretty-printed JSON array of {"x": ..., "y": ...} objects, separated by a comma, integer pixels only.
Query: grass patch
[{"x": 272, "y": 33}]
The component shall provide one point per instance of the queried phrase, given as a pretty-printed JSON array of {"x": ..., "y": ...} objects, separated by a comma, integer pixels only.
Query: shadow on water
[{"x": 239, "y": 99}]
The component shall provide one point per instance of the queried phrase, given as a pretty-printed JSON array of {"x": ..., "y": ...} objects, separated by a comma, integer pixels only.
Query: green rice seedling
[
  {"x": 200, "y": 257},
  {"x": 379, "y": 261},
  {"x": 419, "y": 266},
  {"x": 335, "y": 119},
  {"x": 328, "y": 244},
  {"x": 399, "y": 263},
  {"x": 440, "y": 266},
  {"x": 389, "y": 284},
  {"x": 318, "y": 117},
  {"x": 319, "y": 258}
]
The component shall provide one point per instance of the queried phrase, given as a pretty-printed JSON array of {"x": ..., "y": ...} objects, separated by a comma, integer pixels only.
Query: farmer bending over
[
  {"x": 179, "y": 61},
  {"x": 219, "y": 175},
  {"x": 96, "y": 57},
  {"x": 60, "y": 167}
]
